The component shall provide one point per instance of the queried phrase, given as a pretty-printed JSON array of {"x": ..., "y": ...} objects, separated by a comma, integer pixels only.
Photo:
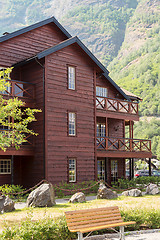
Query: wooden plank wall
[
  {"x": 28, "y": 44},
  {"x": 115, "y": 128},
  {"x": 112, "y": 92},
  {"x": 60, "y": 101},
  {"x": 33, "y": 73}
]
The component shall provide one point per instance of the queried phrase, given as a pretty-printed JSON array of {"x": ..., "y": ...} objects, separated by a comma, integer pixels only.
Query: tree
[{"x": 14, "y": 117}]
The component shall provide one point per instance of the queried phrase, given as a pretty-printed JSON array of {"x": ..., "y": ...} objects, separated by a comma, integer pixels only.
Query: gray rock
[
  {"x": 43, "y": 196},
  {"x": 78, "y": 197},
  {"x": 2, "y": 201},
  {"x": 132, "y": 193},
  {"x": 152, "y": 189},
  {"x": 8, "y": 205},
  {"x": 105, "y": 193}
]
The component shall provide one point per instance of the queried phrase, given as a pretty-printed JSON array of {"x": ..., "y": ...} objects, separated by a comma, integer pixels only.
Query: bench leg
[
  {"x": 80, "y": 236},
  {"x": 121, "y": 232}
]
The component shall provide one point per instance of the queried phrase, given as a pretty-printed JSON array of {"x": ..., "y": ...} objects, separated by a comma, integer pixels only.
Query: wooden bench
[{"x": 89, "y": 220}]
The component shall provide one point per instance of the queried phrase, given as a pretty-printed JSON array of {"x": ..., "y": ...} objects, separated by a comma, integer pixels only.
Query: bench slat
[
  {"x": 92, "y": 210},
  {"x": 96, "y": 228},
  {"x": 98, "y": 217},
  {"x": 105, "y": 221},
  {"x": 92, "y": 225}
]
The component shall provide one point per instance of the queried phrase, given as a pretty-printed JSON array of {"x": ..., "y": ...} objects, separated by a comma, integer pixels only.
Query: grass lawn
[{"x": 125, "y": 203}]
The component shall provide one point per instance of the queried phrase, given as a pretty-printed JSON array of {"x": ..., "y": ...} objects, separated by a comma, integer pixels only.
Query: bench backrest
[{"x": 81, "y": 219}]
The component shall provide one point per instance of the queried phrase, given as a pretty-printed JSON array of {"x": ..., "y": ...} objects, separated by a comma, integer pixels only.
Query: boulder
[
  {"x": 2, "y": 200},
  {"x": 78, "y": 197},
  {"x": 152, "y": 189},
  {"x": 6, "y": 204},
  {"x": 105, "y": 193},
  {"x": 43, "y": 196},
  {"x": 132, "y": 193}
]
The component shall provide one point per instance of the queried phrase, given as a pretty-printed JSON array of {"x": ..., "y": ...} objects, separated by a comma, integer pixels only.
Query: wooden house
[{"x": 84, "y": 113}]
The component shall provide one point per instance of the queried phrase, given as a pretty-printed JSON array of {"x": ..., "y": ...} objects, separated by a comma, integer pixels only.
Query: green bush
[
  {"x": 64, "y": 188},
  {"x": 46, "y": 229},
  {"x": 147, "y": 217},
  {"x": 139, "y": 182},
  {"x": 9, "y": 189}
]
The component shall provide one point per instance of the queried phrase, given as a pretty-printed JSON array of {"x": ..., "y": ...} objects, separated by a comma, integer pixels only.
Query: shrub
[
  {"x": 139, "y": 182},
  {"x": 70, "y": 188},
  {"x": 46, "y": 229},
  {"x": 9, "y": 189}
]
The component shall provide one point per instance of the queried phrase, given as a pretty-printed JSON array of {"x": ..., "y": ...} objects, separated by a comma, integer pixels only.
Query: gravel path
[{"x": 153, "y": 234}]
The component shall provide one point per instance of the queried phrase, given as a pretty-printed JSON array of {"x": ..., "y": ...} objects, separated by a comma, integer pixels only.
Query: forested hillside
[
  {"x": 123, "y": 34},
  {"x": 137, "y": 66}
]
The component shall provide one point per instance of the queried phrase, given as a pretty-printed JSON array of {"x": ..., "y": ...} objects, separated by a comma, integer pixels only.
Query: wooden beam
[
  {"x": 117, "y": 115},
  {"x": 123, "y": 154}
]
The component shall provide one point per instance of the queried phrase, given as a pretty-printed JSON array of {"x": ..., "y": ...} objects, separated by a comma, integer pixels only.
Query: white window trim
[
  {"x": 8, "y": 172},
  {"x": 72, "y": 120},
  {"x": 75, "y": 169},
  {"x": 71, "y": 78}
]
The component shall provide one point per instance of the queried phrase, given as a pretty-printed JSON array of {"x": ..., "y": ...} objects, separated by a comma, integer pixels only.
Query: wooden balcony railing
[
  {"x": 116, "y": 105},
  {"x": 123, "y": 144},
  {"x": 20, "y": 89},
  {"x": 29, "y": 138}
]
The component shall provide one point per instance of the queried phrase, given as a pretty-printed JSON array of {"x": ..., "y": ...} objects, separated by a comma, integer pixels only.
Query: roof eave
[{"x": 34, "y": 26}]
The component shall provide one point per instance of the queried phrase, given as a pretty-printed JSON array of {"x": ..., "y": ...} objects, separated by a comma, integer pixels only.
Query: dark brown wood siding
[
  {"x": 60, "y": 101},
  {"x": 112, "y": 92},
  {"x": 115, "y": 128},
  {"x": 28, "y": 44}
]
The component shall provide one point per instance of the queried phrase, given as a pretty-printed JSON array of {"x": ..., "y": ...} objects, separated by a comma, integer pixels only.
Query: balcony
[
  {"x": 123, "y": 144},
  {"x": 23, "y": 90},
  {"x": 116, "y": 105},
  {"x": 26, "y": 148}
]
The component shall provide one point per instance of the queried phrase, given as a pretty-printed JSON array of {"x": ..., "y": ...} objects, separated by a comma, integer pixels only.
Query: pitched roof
[
  {"x": 69, "y": 42},
  {"x": 34, "y": 26},
  {"x": 77, "y": 40},
  {"x": 131, "y": 95}
]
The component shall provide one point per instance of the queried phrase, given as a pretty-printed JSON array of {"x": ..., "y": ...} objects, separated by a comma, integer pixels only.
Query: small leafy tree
[{"x": 14, "y": 117}]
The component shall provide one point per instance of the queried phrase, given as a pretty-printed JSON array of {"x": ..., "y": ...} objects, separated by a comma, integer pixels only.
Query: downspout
[{"x": 44, "y": 160}]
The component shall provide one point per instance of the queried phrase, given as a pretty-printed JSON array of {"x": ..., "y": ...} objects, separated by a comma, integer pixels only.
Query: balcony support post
[
  {"x": 149, "y": 162},
  {"x": 12, "y": 169},
  {"x": 132, "y": 168}
]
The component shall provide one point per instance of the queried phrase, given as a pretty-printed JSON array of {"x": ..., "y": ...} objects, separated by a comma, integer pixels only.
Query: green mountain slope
[{"x": 137, "y": 66}]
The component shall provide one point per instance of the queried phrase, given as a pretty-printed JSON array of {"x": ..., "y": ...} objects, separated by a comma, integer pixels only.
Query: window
[
  {"x": 72, "y": 170},
  {"x": 72, "y": 123},
  {"x": 5, "y": 166},
  {"x": 101, "y": 134},
  {"x": 101, "y": 92},
  {"x": 71, "y": 78},
  {"x": 114, "y": 170},
  {"x": 101, "y": 169}
]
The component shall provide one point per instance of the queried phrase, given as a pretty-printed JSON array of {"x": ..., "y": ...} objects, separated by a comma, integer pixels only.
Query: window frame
[
  {"x": 75, "y": 124},
  {"x": 68, "y": 77},
  {"x": 8, "y": 169},
  {"x": 75, "y": 170},
  {"x": 101, "y": 95}
]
